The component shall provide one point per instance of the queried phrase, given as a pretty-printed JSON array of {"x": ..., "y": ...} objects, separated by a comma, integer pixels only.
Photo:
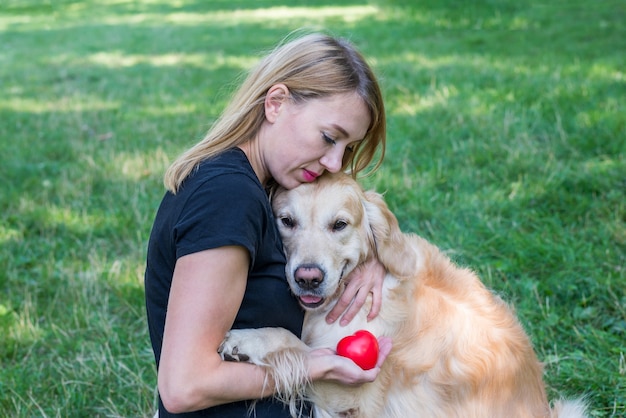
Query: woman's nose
[{"x": 332, "y": 160}]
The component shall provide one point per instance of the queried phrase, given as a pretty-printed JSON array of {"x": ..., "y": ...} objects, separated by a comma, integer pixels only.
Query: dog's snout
[{"x": 309, "y": 276}]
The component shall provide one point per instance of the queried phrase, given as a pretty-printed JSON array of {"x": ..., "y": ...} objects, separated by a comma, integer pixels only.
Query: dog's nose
[{"x": 308, "y": 276}]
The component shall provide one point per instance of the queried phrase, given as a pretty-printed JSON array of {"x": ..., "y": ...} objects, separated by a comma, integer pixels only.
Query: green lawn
[{"x": 507, "y": 148}]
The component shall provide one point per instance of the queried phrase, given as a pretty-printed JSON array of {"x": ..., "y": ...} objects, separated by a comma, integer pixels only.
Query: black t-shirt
[{"x": 222, "y": 203}]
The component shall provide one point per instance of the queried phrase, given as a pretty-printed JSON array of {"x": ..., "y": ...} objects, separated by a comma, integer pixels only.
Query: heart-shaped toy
[{"x": 361, "y": 347}]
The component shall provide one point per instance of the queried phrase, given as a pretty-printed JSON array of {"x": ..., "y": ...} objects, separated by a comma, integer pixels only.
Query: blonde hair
[{"x": 312, "y": 66}]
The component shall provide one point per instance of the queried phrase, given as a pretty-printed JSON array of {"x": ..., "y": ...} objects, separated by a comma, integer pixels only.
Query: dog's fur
[{"x": 458, "y": 350}]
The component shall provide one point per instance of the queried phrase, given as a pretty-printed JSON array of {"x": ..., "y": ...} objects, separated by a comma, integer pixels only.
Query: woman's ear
[{"x": 274, "y": 100}]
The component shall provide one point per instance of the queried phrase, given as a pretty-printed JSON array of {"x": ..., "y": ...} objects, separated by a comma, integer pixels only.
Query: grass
[{"x": 507, "y": 148}]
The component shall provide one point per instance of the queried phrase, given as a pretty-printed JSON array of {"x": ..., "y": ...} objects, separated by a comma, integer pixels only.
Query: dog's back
[{"x": 467, "y": 348}]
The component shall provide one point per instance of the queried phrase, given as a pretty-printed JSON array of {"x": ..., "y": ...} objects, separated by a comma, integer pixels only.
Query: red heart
[{"x": 361, "y": 347}]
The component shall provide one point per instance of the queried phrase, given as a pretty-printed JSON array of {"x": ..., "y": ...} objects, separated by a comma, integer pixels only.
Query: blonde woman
[{"x": 215, "y": 259}]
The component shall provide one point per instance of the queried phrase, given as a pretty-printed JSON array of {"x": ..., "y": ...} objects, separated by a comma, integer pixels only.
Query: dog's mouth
[{"x": 311, "y": 301}]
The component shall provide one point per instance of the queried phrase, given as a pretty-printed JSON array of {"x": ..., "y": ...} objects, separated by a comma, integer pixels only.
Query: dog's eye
[
  {"x": 287, "y": 222},
  {"x": 339, "y": 225}
]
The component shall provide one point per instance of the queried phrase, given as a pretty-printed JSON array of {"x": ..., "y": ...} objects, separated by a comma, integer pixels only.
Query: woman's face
[{"x": 301, "y": 141}]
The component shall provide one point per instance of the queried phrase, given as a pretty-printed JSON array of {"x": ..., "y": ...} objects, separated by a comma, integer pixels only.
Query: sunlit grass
[
  {"x": 22, "y": 327},
  {"x": 244, "y": 15},
  {"x": 138, "y": 166},
  {"x": 38, "y": 106}
]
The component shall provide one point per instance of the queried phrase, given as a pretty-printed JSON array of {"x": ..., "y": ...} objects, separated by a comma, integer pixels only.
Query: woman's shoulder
[
  {"x": 228, "y": 171},
  {"x": 232, "y": 161}
]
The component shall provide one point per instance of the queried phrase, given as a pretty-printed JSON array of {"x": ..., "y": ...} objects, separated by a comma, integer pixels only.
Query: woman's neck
[{"x": 254, "y": 155}]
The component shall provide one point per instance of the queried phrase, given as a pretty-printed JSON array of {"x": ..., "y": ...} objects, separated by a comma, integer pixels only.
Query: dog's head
[{"x": 330, "y": 226}]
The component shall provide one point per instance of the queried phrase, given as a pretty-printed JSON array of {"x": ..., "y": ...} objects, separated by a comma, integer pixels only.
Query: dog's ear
[{"x": 391, "y": 246}]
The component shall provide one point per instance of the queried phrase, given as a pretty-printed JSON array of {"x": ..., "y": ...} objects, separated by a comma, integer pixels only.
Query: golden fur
[{"x": 458, "y": 350}]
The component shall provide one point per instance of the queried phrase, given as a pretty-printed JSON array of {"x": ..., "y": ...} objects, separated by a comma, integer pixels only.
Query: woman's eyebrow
[{"x": 341, "y": 130}]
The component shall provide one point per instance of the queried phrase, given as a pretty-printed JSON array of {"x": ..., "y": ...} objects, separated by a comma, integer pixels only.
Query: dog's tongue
[{"x": 310, "y": 299}]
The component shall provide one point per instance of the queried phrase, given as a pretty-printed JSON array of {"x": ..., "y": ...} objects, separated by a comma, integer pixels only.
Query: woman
[{"x": 215, "y": 258}]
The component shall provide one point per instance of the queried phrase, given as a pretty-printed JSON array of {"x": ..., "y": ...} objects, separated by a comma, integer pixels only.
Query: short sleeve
[{"x": 226, "y": 210}]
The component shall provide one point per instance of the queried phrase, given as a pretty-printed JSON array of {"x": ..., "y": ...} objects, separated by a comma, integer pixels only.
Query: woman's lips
[{"x": 309, "y": 176}]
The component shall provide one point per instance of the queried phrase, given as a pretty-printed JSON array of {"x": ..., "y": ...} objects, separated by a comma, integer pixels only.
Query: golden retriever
[{"x": 458, "y": 350}]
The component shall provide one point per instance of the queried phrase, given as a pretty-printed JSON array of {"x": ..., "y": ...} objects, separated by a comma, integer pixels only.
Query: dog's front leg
[
  {"x": 258, "y": 344},
  {"x": 279, "y": 352}
]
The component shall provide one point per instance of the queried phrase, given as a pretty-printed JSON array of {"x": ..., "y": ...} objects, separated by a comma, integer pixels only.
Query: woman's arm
[
  {"x": 366, "y": 278},
  {"x": 206, "y": 293}
]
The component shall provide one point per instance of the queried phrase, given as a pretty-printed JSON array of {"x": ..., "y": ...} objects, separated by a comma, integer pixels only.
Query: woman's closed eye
[
  {"x": 332, "y": 141},
  {"x": 328, "y": 138}
]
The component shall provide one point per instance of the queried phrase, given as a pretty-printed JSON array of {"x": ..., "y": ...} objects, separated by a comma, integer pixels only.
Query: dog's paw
[
  {"x": 259, "y": 345},
  {"x": 229, "y": 350},
  {"x": 243, "y": 345}
]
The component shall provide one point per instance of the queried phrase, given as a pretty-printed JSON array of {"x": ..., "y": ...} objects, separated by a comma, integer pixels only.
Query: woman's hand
[
  {"x": 325, "y": 364},
  {"x": 364, "y": 279}
]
